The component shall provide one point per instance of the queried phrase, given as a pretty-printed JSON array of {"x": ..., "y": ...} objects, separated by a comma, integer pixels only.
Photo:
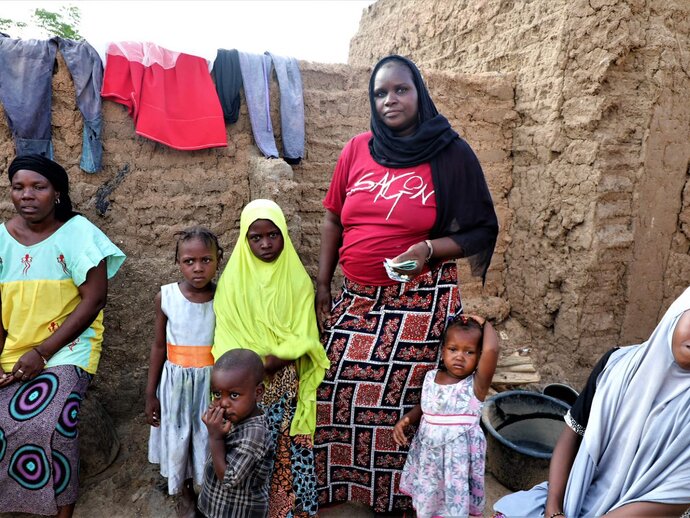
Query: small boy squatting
[{"x": 237, "y": 472}]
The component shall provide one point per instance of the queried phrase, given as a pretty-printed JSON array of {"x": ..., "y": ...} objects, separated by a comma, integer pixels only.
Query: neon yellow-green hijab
[{"x": 269, "y": 308}]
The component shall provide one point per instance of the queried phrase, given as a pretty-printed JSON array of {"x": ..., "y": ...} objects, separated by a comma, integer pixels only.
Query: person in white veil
[{"x": 626, "y": 449}]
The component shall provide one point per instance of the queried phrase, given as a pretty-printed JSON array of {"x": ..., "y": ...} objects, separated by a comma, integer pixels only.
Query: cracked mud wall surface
[
  {"x": 147, "y": 191},
  {"x": 599, "y": 244}
]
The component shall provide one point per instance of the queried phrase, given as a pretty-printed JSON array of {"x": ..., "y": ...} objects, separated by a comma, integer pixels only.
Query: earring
[{"x": 57, "y": 201}]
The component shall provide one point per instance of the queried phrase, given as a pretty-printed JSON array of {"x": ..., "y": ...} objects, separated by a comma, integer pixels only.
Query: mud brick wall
[{"x": 600, "y": 238}]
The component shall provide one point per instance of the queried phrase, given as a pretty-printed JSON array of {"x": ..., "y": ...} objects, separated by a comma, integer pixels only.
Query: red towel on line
[{"x": 170, "y": 95}]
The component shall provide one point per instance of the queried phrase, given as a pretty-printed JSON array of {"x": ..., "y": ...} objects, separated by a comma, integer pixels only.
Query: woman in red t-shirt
[{"x": 409, "y": 190}]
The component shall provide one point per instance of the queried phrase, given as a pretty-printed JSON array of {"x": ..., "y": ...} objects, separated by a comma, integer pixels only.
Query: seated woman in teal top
[{"x": 54, "y": 271}]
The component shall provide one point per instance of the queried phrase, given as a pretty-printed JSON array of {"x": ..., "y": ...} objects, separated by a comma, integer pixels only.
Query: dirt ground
[
  {"x": 150, "y": 499},
  {"x": 494, "y": 491},
  {"x": 133, "y": 488}
]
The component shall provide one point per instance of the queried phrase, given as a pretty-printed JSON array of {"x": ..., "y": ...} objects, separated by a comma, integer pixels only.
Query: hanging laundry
[
  {"x": 26, "y": 87},
  {"x": 291, "y": 107},
  {"x": 86, "y": 68},
  {"x": 228, "y": 78},
  {"x": 256, "y": 75},
  {"x": 170, "y": 95}
]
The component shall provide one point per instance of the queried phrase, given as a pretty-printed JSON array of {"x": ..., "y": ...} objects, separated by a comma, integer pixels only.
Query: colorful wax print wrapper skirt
[
  {"x": 39, "y": 442},
  {"x": 293, "y": 481},
  {"x": 381, "y": 341}
]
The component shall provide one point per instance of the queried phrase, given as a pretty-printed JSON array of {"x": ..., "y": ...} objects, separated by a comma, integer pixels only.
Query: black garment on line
[
  {"x": 464, "y": 208},
  {"x": 227, "y": 75}
]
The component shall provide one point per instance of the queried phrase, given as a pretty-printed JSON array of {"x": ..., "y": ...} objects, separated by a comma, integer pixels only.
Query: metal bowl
[{"x": 521, "y": 430}]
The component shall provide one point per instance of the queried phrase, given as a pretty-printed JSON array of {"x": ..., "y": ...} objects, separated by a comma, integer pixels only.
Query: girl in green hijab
[{"x": 265, "y": 302}]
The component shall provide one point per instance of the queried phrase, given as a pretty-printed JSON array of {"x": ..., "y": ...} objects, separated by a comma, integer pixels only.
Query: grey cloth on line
[
  {"x": 291, "y": 106},
  {"x": 26, "y": 72},
  {"x": 26, "y": 89},
  {"x": 86, "y": 68},
  {"x": 256, "y": 73}
]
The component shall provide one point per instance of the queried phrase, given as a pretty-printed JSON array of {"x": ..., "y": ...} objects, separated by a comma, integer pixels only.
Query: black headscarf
[
  {"x": 54, "y": 173},
  {"x": 464, "y": 209},
  {"x": 433, "y": 132}
]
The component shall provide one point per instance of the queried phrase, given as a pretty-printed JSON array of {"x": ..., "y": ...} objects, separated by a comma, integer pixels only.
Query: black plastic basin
[
  {"x": 521, "y": 430},
  {"x": 561, "y": 391}
]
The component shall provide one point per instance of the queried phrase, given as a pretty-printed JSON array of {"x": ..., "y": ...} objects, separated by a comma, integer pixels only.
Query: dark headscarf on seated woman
[
  {"x": 54, "y": 173},
  {"x": 464, "y": 209}
]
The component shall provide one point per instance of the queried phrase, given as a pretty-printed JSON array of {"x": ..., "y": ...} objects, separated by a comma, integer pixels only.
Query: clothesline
[{"x": 171, "y": 96}]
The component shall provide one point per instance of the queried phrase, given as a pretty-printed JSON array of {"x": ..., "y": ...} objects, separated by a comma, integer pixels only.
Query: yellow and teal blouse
[{"x": 39, "y": 288}]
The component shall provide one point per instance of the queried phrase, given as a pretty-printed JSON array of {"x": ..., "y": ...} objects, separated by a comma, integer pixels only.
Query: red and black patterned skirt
[{"x": 381, "y": 341}]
